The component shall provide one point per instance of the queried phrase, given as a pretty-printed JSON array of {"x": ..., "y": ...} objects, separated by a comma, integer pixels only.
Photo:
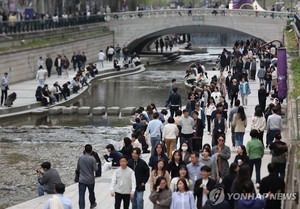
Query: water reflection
[{"x": 23, "y": 146}]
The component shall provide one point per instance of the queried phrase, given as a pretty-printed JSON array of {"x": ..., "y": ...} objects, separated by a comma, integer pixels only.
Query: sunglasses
[{"x": 221, "y": 140}]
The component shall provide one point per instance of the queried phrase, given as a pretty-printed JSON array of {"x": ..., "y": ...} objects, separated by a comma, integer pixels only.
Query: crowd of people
[
  {"x": 182, "y": 171},
  {"x": 50, "y": 95}
]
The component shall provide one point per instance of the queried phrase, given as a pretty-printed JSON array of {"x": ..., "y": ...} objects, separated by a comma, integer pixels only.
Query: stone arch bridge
[{"x": 137, "y": 29}]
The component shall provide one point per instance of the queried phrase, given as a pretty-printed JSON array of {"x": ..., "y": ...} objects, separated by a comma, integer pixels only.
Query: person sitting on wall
[
  {"x": 39, "y": 96},
  {"x": 188, "y": 46},
  {"x": 117, "y": 66}
]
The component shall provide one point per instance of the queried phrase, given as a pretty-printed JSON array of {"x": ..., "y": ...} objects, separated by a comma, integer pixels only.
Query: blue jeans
[
  {"x": 42, "y": 82},
  {"x": 41, "y": 190},
  {"x": 271, "y": 136},
  {"x": 101, "y": 63},
  {"x": 138, "y": 200},
  {"x": 82, "y": 187},
  {"x": 154, "y": 142},
  {"x": 239, "y": 138}
]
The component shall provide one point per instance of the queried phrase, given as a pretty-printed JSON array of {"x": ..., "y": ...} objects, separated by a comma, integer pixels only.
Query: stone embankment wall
[{"x": 22, "y": 65}]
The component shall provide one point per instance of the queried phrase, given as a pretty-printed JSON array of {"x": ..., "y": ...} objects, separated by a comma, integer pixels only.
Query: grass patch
[
  {"x": 55, "y": 40},
  {"x": 292, "y": 47},
  {"x": 295, "y": 63}
]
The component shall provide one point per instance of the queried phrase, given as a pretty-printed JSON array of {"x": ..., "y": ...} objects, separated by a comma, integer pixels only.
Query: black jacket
[
  {"x": 174, "y": 169},
  {"x": 198, "y": 192},
  {"x": 115, "y": 155},
  {"x": 141, "y": 171},
  {"x": 199, "y": 128},
  {"x": 275, "y": 184}
]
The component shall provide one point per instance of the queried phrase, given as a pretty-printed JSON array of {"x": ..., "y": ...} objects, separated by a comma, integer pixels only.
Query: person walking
[
  {"x": 239, "y": 125},
  {"x": 234, "y": 92},
  {"x": 182, "y": 198},
  {"x": 211, "y": 106},
  {"x": 218, "y": 127},
  {"x": 49, "y": 65},
  {"x": 198, "y": 128},
  {"x": 274, "y": 125},
  {"x": 174, "y": 101},
  {"x": 274, "y": 184},
  {"x": 123, "y": 184},
  {"x": 58, "y": 64},
  {"x": 222, "y": 153},
  {"x": 244, "y": 91},
  {"x": 187, "y": 124},
  {"x": 170, "y": 134},
  {"x": 161, "y": 195},
  {"x": 194, "y": 167},
  {"x": 155, "y": 129},
  {"x": 41, "y": 76},
  {"x": 86, "y": 168},
  {"x": 142, "y": 173},
  {"x": 259, "y": 123},
  {"x": 279, "y": 151},
  {"x": 231, "y": 114},
  {"x": 101, "y": 56},
  {"x": 40, "y": 62},
  {"x": 203, "y": 186},
  {"x": 59, "y": 201},
  {"x": 262, "y": 97},
  {"x": 255, "y": 151},
  {"x": 4, "y": 88}
]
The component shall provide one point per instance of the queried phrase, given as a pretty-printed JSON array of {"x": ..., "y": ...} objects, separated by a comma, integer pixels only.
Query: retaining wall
[{"x": 22, "y": 65}]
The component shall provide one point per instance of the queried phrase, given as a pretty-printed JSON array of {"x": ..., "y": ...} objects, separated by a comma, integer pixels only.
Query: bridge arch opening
[{"x": 201, "y": 35}]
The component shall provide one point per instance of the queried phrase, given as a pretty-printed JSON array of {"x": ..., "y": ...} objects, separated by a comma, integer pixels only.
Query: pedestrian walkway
[
  {"x": 104, "y": 200},
  {"x": 26, "y": 90}
]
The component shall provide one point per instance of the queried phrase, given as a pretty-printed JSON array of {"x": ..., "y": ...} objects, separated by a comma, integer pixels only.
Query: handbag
[{"x": 76, "y": 179}]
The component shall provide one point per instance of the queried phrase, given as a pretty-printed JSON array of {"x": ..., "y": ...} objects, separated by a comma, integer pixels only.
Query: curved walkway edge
[{"x": 26, "y": 102}]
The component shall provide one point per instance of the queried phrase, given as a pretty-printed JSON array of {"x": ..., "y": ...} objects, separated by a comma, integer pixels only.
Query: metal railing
[
  {"x": 297, "y": 21},
  {"x": 47, "y": 24},
  {"x": 197, "y": 12}
]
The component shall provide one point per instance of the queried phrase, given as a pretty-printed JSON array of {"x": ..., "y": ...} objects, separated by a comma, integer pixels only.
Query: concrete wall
[{"x": 22, "y": 65}]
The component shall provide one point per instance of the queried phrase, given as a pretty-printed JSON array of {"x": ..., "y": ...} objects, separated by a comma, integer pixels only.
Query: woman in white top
[
  {"x": 183, "y": 198},
  {"x": 259, "y": 123},
  {"x": 216, "y": 95},
  {"x": 183, "y": 174},
  {"x": 169, "y": 135},
  {"x": 211, "y": 106}
]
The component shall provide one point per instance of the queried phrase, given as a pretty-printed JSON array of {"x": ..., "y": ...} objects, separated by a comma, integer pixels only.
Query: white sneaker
[{"x": 257, "y": 185}]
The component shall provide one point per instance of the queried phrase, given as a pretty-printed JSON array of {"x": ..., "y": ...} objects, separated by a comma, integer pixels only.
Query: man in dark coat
[
  {"x": 274, "y": 184},
  {"x": 203, "y": 186},
  {"x": 49, "y": 64},
  {"x": 142, "y": 173},
  {"x": 262, "y": 96}
]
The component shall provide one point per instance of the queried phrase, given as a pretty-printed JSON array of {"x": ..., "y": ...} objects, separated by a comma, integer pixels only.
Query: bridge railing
[
  {"x": 297, "y": 21},
  {"x": 197, "y": 12},
  {"x": 47, "y": 24}
]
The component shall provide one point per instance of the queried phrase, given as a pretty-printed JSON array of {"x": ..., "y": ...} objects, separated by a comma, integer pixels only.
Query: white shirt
[
  {"x": 41, "y": 74},
  {"x": 110, "y": 50},
  {"x": 216, "y": 96},
  {"x": 101, "y": 56},
  {"x": 204, "y": 196}
]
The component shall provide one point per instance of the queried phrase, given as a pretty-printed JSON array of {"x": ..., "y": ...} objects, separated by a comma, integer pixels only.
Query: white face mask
[{"x": 184, "y": 148}]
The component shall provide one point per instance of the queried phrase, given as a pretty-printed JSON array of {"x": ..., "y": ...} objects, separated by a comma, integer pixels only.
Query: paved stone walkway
[
  {"x": 26, "y": 90},
  {"x": 103, "y": 197}
]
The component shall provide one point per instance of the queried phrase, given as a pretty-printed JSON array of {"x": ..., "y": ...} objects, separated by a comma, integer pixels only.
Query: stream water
[{"x": 28, "y": 141}]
